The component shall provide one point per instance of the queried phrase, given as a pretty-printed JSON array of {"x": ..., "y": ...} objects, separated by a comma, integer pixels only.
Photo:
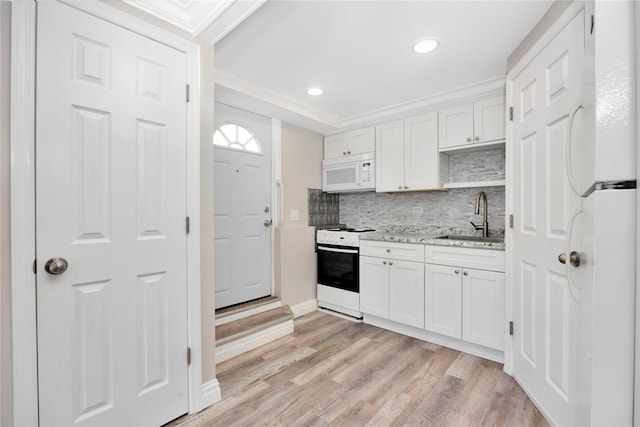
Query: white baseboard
[
  {"x": 432, "y": 337},
  {"x": 211, "y": 393},
  {"x": 303, "y": 308},
  {"x": 244, "y": 344}
]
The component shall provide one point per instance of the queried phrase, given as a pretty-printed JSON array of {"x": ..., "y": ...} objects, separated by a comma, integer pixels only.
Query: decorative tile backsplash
[
  {"x": 479, "y": 166},
  {"x": 453, "y": 208},
  {"x": 324, "y": 208}
]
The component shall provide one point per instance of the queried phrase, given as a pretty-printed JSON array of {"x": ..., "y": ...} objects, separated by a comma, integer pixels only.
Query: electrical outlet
[
  {"x": 417, "y": 209},
  {"x": 294, "y": 215}
]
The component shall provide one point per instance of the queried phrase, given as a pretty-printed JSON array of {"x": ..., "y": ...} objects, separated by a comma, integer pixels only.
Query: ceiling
[
  {"x": 267, "y": 53},
  {"x": 360, "y": 53}
]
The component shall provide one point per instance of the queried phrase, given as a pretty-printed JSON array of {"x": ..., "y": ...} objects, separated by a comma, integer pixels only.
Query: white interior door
[
  {"x": 242, "y": 206},
  {"x": 110, "y": 190},
  {"x": 544, "y": 95}
]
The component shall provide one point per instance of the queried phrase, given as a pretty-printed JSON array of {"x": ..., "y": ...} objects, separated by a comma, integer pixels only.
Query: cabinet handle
[
  {"x": 399, "y": 187},
  {"x": 384, "y": 262},
  {"x": 344, "y": 153},
  {"x": 457, "y": 271},
  {"x": 388, "y": 251},
  {"x": 390, "y": 262},
  {"x": 477, "y": 138},
  {"x": 348, "y": 152},
  {"x": 466, "y": 273},
  {"x": 405, "y": 187},
  {"x": 468, "y": 139}
]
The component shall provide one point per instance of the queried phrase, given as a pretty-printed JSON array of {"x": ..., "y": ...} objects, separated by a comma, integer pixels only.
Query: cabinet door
[
  {"x": 443, "y": 300},
  {"x": 455, "y": 126},
  {"x": 390, "y": 156},
  {"x": 374, "y": 286},
  {"x": 483, "y": 308},
  {"x": 406, "y": 292},
  {"x": 335, "y": 146},
  {"x": 421, "y": 156},
  {"x": 489, "y": 120},
  {"x": 362, "y": 140}
]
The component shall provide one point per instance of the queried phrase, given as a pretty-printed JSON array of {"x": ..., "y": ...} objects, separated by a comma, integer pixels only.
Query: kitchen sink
[{"x": 473, "y": 238}]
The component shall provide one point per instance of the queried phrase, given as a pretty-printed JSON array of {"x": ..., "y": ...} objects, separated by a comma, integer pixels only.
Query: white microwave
[{"x": 349, "y": 173}]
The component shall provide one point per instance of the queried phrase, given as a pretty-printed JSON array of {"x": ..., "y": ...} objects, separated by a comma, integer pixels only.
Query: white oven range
[{"x": 338, "y": 263}]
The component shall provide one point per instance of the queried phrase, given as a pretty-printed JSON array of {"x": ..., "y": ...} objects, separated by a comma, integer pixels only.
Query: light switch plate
[{"x": 295, "y": 215}]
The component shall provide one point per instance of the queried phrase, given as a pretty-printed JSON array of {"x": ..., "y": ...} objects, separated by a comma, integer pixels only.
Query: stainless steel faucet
[{"x": 485, "y": 224}]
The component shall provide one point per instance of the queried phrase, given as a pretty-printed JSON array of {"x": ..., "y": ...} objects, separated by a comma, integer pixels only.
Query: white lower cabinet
[
  {"x": 483, "y": 308},
  {"x": 392, "y": 288},
  {"x": 443, "y": 300},
  {"x": 451, "y": 291},
  {"x": 374, "y": 286},
  {"x": 406, "y": 293},
  {"x": 465, "y": 303}
]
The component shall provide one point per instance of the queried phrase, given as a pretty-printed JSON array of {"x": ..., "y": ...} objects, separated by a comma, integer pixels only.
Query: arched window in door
[{"x": 236, "y": 137}]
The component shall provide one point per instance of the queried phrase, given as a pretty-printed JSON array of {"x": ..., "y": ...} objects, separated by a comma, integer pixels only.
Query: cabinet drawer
[
  {"x": 401, "y": 251},
  {"x": 483, "y": 259}
]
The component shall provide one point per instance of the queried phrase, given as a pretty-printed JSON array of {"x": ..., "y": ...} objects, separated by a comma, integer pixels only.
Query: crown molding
[
  {"x": 483, "y": 89},
  {"x": 189, "y": 15}
]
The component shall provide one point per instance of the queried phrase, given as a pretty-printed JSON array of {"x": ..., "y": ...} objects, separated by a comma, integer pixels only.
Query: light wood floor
[{"x": 332, "y": 371}]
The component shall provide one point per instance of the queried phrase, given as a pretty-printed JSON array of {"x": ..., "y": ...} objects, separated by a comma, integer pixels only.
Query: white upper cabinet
[
  {"x": 481, "y": 122},
  {"x": 407, "y": 157},
  {"x": 348, "y": 143}
]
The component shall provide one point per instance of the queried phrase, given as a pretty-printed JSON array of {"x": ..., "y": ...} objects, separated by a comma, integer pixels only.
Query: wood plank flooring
[{"x": 334, "y": 372}]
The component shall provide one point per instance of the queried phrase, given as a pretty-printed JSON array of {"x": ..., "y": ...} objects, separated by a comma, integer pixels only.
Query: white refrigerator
[{"x": 601, "y": 247}]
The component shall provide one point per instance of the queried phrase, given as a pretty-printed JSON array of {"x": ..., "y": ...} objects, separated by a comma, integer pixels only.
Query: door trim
[{"x": 23, "y": 231}]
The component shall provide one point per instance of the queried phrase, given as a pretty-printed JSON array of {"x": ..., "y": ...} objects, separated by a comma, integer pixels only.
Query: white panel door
[
  {"x": 443, "y": 300},
  {"x": 406, "y": 292},
  {"x": 110, "y": 189},
  {"x": 545, "y": 329},
  {"x": 242, "y": 204},
  {"x": 374, "y": 286},
  {"x": 390, "y": 156}
]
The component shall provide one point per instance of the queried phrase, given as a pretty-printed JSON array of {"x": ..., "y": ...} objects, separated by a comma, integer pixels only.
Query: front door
[
  {"x": 110, "y": 196},
  {"x": 545, "y": 304},
  {"x": 242, "y": 197}
]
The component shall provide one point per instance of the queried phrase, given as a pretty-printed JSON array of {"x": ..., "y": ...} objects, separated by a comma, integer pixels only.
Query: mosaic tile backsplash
[
  {"x": 324, "y": 208},
  {"x": 453, "y": 208}
]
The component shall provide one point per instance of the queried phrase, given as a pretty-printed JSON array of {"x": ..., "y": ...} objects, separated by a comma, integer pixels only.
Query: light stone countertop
[{"x": 429, "y": 237}]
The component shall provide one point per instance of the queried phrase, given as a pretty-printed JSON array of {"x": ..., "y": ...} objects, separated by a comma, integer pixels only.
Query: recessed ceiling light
[
  {"x": 315, "y": 91},
  {"x": 425, "y": 46}
]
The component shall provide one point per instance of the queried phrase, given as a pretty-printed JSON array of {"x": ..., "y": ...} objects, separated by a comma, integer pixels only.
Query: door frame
[{"x": 23, "y": 225}]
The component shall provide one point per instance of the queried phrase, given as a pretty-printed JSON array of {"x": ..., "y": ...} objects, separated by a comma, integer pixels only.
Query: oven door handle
[{"x": 342, "y": 251}]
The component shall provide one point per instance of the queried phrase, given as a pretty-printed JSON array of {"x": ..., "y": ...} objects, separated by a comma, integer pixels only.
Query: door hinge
[
  {"x": 511, "y": 221},
  {"x": 188, "y": 355},
  {"x": 511, "y": 327},
  {"x": 510, "y": 114},
  {"x": 187, "y": 224},
  {"x": 34, "y": 267},
  {"x": 188, "y": 93}
]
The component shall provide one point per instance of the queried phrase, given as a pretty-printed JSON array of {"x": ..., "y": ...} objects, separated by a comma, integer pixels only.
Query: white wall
[{"x": 295, "y": 258}]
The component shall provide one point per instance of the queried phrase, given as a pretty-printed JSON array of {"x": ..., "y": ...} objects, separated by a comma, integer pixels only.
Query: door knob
[
  {"x": 56, "y": 266},
  {"x": 477, "y": 138},
  {"x": 575, "y": 258},
  {"x": 268, "y": 222}
]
